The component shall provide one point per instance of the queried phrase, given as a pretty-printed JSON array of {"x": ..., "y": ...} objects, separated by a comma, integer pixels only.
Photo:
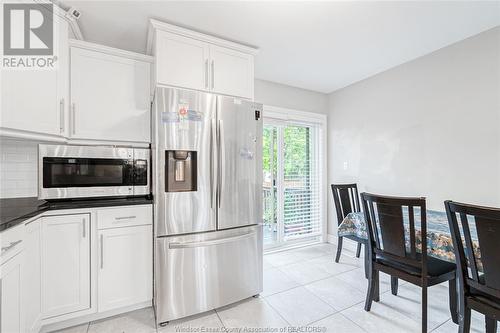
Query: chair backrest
[
  {"x": 346, "y": 199},
  {"x": 478, "y": 258},
  {"x": 391, "y": 229}
]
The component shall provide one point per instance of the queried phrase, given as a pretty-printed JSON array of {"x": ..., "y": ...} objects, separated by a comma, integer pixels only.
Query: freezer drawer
[{"x": 197, "y": 273}]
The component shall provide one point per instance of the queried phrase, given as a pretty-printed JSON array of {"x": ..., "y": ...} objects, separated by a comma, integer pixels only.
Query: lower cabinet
[
  {"x": 125, "y": 273},
  {"x": 11, "y": 318},
  {"x": 49, "y": 277},
  {"x": 65, "y": 264},
  {"x": 32, "y": 272}
]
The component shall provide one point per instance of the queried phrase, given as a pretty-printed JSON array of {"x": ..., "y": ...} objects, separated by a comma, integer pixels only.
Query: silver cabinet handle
[
  {"x": 102, "y": 251},
  {"x": 73, "y": 111},
  {"x": 125, "y": 217},
  {"x": 61, "y": 115},
  {"x": 84, "y": 222},
  {"x": 206, "y": 74},
  {"x": 10, "y": 246},
  {"x": 187, "y": 245},
  {"x": 213, "y": 75}
]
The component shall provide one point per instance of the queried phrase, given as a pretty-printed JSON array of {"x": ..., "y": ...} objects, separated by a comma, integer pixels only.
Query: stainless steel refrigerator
[{"x": 208, "y": 209}]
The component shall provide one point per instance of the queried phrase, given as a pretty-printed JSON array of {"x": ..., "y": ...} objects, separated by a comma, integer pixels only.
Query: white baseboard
[{"x": 92, "y": 317}]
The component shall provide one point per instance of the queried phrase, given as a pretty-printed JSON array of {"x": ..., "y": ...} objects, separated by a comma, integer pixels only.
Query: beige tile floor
[{"x": 305, "y": 287}]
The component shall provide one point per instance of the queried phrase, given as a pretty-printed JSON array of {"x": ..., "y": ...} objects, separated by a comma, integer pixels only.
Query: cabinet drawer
[
  {"x": 124, "y": 216},
  {"x": 11, "y": 242}
]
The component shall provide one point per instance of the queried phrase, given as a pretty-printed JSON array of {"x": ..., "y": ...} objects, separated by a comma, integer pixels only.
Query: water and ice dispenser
[{"x": 180, "y": 170}]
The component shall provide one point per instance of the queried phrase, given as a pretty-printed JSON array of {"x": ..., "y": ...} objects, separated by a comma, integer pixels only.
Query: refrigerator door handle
[
  {"x": 222, "y": 157},
  {"x": 212, "y": 242},
  {"x": 212, "y": 128}
]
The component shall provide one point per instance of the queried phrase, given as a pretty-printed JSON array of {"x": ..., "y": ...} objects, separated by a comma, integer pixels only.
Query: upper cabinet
[
  {"x": 93, "y": 94},
  {"x": 33, "y": 101},
  {"x": 187, "y": 59},
  {"x": 182, "y": 61},
  {"x": 110, "y": 94},
  {"x": 231, "y": 72}
]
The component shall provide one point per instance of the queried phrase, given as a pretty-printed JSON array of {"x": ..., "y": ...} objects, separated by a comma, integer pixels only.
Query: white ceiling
[{"x": 321, "y": 46}]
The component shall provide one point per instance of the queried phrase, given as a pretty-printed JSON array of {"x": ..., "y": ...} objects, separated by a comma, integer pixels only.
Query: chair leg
[
  {"x": 367, "y": 261},
  {"x": 424, "y": 309},
  {"x": 491, "y": 325},
  {"x": 394, "y": 285},
  {"x": 452, "y": 289},
  {"x": 371, "y": 290},
  {"x": 339, "y": 249},
  {"x": 358, "y": 250},
  {"x": 376, "y": 290},
  {"x": 464, "y": 323}
]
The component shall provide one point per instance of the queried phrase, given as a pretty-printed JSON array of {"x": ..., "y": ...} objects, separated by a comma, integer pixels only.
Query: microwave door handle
[{"x": 130, "y": 182}]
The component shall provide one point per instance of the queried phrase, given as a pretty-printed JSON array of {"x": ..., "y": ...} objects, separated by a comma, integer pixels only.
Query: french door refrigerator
[{"x": 208, "y": 176}]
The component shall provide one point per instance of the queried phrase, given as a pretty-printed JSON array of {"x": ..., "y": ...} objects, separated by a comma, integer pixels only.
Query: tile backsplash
[{"x": 18, "y": 168}]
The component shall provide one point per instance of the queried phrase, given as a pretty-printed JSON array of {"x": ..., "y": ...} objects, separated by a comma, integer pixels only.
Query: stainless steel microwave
[{"x": 66, "y": 171}]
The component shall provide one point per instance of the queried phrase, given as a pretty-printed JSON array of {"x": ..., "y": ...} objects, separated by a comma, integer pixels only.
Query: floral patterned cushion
[{"x": 439, "y": 242}]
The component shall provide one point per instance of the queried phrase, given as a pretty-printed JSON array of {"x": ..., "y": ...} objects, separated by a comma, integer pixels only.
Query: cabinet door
[
  {"x": 11, "y": 316},
  {"x": 65, "y": 264},
  {"x": 125, "y": 267},
  {"x": 110, "y": 97},
  {"x": 34, "y": 100},
  {"x": 32, "y": 276},
  {"x": 232, "y": 72},
  {"x": 181, "y": 61}
]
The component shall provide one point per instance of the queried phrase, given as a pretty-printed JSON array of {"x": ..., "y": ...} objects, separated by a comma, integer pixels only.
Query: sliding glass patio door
[{"x": 291, "y": 183}]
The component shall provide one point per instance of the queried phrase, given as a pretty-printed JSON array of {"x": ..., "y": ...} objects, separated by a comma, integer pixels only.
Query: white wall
[
  {"x": 275, "y": 94},
  {"x": 430, "y": 127},
  {"x": 18, "y": 168}
]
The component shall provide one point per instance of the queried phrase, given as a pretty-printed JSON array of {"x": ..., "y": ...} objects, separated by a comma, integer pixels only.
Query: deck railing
[{"x": 298, "y": 211}]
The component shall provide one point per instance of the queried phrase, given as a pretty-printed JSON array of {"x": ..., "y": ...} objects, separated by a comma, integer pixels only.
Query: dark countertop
[{"x": 17, "y": 210}]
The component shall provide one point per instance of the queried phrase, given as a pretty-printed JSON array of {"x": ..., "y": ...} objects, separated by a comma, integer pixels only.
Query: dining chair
[
  {"x": 477, "y": 263},
  {"x": 393, "y": 248},
  {"x": 346, "y": 199}
]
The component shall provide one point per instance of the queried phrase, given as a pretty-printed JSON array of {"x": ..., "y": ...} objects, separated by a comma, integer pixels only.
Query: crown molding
[
  {"x": 158, "y": 25},
  {"x": 110, "y": 50}
]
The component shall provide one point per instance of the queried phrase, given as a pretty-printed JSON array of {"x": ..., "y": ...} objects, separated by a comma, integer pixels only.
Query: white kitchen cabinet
[
  {"x": 11, "y": 316},
  {"x": 34, "y": 101},
  {"x": 110, "y": 95},
  {"x": 65, "y": 264},
  {"x": 32, "y": 276},
  {"x": 188, "y": 59},
  {"x": 182, "y": 61},
  {"x": 125, "y": 274},
  {"x": 232, "y": 72}
]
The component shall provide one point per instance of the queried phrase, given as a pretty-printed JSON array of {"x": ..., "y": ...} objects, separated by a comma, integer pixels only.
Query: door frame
[{"x": 291, "y": 116}]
